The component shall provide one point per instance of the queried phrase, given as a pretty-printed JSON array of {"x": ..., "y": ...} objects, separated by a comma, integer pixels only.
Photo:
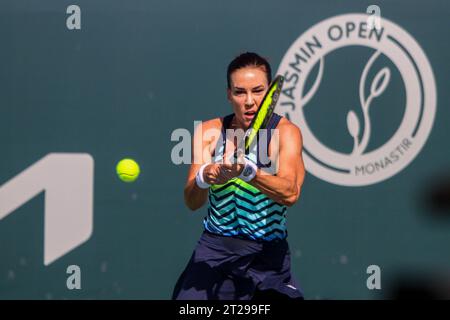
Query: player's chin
[
  {"x": 248, "y": 118},
  {"x": 244, "y": 119}
]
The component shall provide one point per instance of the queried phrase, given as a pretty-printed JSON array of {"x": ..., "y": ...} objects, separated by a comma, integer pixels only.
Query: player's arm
[
  {"x": 205, "y": 136},
  {"x": 285, "y": 187}
]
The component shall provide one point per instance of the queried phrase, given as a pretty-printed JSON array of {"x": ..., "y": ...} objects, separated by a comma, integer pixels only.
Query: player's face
[{"x": 248, "y": 87}]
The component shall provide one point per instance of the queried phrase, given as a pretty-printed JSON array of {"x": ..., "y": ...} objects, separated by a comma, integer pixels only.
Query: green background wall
[{"x": 136, "y": 71}]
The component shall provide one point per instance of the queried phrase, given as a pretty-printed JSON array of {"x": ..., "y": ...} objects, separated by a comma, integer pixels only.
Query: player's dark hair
[{"x": 245, "y": 60}]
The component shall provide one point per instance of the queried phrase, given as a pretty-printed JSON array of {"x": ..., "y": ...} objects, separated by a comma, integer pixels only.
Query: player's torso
[{"x": 237, "y": 208}]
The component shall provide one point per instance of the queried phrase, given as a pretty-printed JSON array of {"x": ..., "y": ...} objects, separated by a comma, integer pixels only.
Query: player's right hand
[{"x": 214, "y": 174}]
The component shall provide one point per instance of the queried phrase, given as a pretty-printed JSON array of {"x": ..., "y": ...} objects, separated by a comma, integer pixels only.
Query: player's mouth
[{"x": 249, "y": 115}]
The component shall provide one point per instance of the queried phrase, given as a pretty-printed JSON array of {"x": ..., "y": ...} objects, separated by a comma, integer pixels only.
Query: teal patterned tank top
[{"x": 238, "y": 209}]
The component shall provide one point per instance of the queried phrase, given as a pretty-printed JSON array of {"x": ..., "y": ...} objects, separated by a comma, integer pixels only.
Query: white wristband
[
  {"x": 249, "y": 171},
  {"x": 199, "y": 178}
]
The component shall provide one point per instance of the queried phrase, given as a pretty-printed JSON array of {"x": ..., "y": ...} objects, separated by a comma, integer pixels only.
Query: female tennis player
[{"x": 243, "y": 251}]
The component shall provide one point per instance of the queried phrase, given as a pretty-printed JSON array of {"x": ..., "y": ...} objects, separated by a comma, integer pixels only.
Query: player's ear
[{"x": 229, "y": 94}]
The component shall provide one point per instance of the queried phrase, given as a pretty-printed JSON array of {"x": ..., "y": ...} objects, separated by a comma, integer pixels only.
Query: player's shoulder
[
  {"x": 288, "y": 127},
  {"x": 209, "y": 124},
  {"x": 290, "y": 134},
  {"x": 215, "y": 123}
]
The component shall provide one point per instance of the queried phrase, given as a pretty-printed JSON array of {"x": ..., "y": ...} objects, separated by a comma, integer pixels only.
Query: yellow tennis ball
[{"x": 127, "y": 170}]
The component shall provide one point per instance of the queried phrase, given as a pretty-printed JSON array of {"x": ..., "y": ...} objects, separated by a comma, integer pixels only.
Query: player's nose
[{"x": 249, "y": 101}]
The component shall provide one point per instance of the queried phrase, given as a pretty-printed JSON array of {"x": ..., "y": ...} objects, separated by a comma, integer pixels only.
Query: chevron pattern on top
[{"x": 237, "y": 208}]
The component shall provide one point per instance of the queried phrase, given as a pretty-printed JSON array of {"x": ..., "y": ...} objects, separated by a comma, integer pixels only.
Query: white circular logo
[{"x": 360, "y": 166}]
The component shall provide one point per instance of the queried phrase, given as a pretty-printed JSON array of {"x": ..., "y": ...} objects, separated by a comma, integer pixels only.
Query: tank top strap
[{"x": 222, "y": 139}]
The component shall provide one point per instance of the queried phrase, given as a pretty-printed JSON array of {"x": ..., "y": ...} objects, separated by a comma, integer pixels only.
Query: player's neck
[{"x": 234, "y": 124}]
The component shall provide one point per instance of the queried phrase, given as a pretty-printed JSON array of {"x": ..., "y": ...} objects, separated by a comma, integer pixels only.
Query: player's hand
[
  {"x": 214, "y": 174},
  {"x": 221, "y": 173},
  {"x": 231, "y": 169}
]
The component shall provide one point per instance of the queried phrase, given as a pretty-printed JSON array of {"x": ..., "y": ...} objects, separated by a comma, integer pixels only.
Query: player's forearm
[
  {"x": 194, "y": 197},
  {"x": 279, "y": 189}
]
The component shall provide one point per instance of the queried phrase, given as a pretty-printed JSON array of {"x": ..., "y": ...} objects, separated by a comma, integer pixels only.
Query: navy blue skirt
[{"x": 228, "y": 268}]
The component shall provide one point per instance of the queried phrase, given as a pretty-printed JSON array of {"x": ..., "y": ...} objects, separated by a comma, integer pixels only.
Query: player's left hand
[{"x": 231, "y": 169}]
